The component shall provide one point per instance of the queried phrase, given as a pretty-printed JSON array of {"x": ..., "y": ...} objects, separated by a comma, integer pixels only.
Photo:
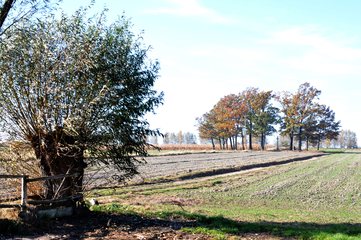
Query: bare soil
[{"x": 208, "y": 164}]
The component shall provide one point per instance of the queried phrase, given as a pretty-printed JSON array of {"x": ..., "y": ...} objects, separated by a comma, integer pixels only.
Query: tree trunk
[
  {"x": 307, "y": 140},
  {"x": 318, "y": 143},
  {"x": 58, "y": 155},
  {"x": 243, "y": 146},
  {"x": 300, "y": 139},
  {"x": 291, "y": 141},
  {"x": 262, "y": 141},
  {"x": 213, "y": 146},
  {"x": 250, "y": 135}
]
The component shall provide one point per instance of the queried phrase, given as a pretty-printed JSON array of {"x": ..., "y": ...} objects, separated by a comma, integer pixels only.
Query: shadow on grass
[
  {"x": 221, "y": 226},
  {"x": 92, "y": 224},
  {"x": 99, "y": 224}
]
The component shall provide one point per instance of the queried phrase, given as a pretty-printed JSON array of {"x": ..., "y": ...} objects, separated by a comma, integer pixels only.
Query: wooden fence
[{"x": 24, "y": 190}]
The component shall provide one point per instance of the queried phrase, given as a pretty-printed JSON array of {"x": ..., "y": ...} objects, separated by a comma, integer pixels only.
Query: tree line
[
  {"x": 253, "y": 113},
  {"x": 174, "y": 138},
  {"x": 346, "y": 139}
]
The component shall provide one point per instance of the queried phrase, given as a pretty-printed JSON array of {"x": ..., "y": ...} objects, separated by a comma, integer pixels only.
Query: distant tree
[
  {"x": 297, "y": 109},
  {"x": 265, "y": 116},
  {"x": 252, "y": 112},
  {"x": 342, "y": 139},
  {"x": 72, "y": 84},
  {"x": 206, "y": 127},
  {"x": 231, "y": 111},
  {"x": 351, "y": 139},
  {"x": 284, "y": 141},
  {"x": 249, "y": 96},
  {"x": 327, "y": 128},
  {"x": 166, "y": 138},
  {"x": 189, "y": 138},
  {"x": 180, "y": 137},
  {"x": 238, "y": 110},
  {"x": 234, "y": 115},
  {"x": 306, "y": 106},
  {"x": 347, "y": 139},
  {"x": 223, "y": 123},
  {"x": 321, "y": 125},
  {"x": 173, "y": 139},
  {"x": 288, "y": 120},
  {"x": 153, "y": 139}
]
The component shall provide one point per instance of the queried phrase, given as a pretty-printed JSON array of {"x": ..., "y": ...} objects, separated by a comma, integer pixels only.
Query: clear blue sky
[{"x": 210, "y": 48}]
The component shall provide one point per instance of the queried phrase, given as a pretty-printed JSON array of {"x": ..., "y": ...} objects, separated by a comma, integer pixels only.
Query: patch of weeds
[
  {"x": 114, "y": 208},
  {"x": 203, "y": 230}
]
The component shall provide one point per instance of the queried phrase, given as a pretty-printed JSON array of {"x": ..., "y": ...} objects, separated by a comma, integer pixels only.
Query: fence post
[{"x": 23, "y": 192}]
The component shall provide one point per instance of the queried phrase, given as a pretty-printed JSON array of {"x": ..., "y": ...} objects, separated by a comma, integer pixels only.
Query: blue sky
[{"x": 210, "y": 48}]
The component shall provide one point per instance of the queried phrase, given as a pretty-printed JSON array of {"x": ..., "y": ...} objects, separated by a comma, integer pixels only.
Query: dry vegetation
[
  {"x": 17, "y": 158},
  {"x": 166, "y": 149}
]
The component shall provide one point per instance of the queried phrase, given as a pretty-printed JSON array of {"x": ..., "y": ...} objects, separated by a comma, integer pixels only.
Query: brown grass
[
  {"x": 9, "y": 213},
  {"x": 203, "y": 147},
  {"x": 192, "y": 147},
  {"x": 18, "y": 158}
]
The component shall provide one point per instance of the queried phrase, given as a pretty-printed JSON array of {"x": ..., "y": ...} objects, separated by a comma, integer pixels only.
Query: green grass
[
  {"x": 314, "y": 199},
  {"x": 333, "y": 150},
  {"x": 221, "y": 227}
]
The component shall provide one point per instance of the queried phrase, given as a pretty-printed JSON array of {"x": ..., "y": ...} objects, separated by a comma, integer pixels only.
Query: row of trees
[
  {"x": 174, "y": 138},
  {"x": 253, "y": 113},
  {"x": 346, "y": 139},
  {"x": 235, "y": 115}
]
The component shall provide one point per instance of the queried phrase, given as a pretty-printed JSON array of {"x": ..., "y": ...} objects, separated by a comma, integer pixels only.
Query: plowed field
[{"x": 204, "y": 164}]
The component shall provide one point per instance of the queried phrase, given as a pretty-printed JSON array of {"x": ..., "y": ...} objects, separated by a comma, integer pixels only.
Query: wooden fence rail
[{"x": 25, "y": 180}]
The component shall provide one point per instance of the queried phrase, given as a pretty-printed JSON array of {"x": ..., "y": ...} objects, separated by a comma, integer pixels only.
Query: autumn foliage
[
  {"x": 252, "y": 115},
  {"x": 236, "y": 115}
]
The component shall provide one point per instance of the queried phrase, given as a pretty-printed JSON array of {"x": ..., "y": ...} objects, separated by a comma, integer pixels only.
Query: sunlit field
[{"x": 316, "y": 198}]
